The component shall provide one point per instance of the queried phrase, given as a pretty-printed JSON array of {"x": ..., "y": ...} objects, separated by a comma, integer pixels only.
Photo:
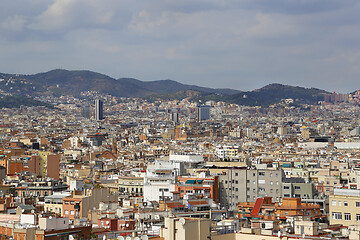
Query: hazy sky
[{"x": 240, "y": 44}]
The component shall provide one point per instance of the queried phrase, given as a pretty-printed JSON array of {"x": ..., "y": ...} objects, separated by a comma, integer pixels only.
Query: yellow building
[
  {"x": 344, "y": 207},
  {"x": 54, "y": 203}
]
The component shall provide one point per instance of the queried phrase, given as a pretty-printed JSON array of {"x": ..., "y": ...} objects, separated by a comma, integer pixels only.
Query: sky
[{"x": 239, "y": 44}]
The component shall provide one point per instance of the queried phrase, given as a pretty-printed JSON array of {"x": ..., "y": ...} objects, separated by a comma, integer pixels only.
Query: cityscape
[
  {"x": 179, "y": 120},
  {"x": 103, "y": 167}
]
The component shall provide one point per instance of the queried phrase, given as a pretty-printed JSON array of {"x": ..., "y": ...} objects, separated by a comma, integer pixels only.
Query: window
[
  {"x": 236, "y": 182},
  {"x": 297, "y": 195},
  {"x": 345, "y": 204},
  {"x": 357, "y": 204},
  {"x": 261, "y": 189},
  {"x": 236, "y": 174},
  {"x": 261, "y": 174},
  {"x": 337, "y": 215},
  {"x": 271, "y": 183},
  {"x": 67, "y": 212},
  {"x": 72, "y": 212},
  {"x": 333, "y": 203},
  {"x": 286, "y": 187},
  {"x": 347, "y": 216},
  {"x": 297, "y": 187},
  {"x": 286, "y": 195},
  {"x": 358, "y": 217},
  {"x": 339, "y": 203}
]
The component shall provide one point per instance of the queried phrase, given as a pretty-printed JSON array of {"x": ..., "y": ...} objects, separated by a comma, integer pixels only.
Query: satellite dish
[
  {"x": 121, "y": 238},
  {"x": 136, "y": 238},
  {"x": 182, "y": 221},
  {"x": 128, "y": 238},
  {"x": 145, "y": 237},
  {"x": 127, "y": 225}
]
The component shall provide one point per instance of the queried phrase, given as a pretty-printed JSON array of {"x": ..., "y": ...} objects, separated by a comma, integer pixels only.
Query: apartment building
[
  {"x": 246, "y": 185},
  {"x": 131, "y": 185},
  {"x": 344, "y": 207}
]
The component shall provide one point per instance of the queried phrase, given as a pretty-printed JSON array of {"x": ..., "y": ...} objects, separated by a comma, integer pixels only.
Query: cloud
[
  {"x": 68, "y": 15},
  {"x": 242, "y": 44},
  {"x": 13, "y": 23}
]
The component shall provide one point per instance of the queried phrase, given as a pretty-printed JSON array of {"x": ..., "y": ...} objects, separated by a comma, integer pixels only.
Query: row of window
[
  {"x": 72, "y": 212},
  {"x": 347, "y": 216},
  {"x": 338, "y": 203},
  {"x": 296, "y": 187}
]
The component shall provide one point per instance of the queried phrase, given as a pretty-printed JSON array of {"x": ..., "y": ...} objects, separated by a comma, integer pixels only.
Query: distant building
[
  {"x": 85, "y": 112},
  {"x": 203, "y": 113},
  {"x": 175, "y": 117},
  {"x": 99, "y": 114}
]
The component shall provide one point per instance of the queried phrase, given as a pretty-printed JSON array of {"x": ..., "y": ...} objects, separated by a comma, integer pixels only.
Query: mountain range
[{"x": 63, "y": 82}]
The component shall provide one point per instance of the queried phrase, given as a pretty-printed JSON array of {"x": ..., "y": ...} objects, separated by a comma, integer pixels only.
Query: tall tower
[
  {"x": 99, "y": 110},
  {"x": 203, "y": 113}
]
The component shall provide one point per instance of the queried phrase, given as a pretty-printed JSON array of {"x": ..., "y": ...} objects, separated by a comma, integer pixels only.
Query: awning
[{"x": 190, "y": 182}]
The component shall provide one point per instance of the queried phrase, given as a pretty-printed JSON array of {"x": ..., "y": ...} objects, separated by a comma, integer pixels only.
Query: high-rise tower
[
  {"x": 203, "y": 113},
  {"x": 99, "y": 115}
]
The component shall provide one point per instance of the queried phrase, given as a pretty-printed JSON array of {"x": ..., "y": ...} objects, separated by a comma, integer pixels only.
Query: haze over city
[{"x": 239, "y": 44}]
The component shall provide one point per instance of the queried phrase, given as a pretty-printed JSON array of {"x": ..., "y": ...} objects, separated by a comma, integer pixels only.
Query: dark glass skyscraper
[{"x": 99, "y": 114}]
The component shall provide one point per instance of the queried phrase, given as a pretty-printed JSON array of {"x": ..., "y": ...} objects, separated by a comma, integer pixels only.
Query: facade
[
  {"x": 246, "y": 185},
  {"x": 40, "y": 188},
  {"x": 159, "y": 181},
  {"x": 227, "y": 152},
  {"x": 203, "y": 113},
  {"x": 49, "y": 164},
  {"x": 298, "y": 190},
  {"x": 131, "y": 185},
  {"x": 78, "y": 205},
  {"x": 344, "y": 207},
  {"x": 54, "y": 203},
  {"x": 186, "y": 229},
  {"x": 193, "y": 187}
]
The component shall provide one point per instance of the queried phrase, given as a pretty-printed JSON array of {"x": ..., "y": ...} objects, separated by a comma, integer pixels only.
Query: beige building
[
  {"x": 131, "y": 185},
  {"x": 186, "y": 229},
  {"x": 344, "y": 207}
]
